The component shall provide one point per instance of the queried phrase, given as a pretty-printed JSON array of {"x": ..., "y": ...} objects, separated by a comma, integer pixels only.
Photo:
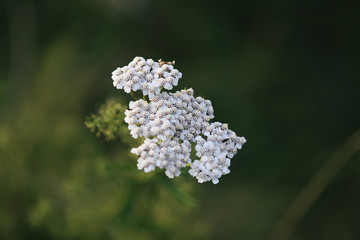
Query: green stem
[{"x": 133, "y": 95}]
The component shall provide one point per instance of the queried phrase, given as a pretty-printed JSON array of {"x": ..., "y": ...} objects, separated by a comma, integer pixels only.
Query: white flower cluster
[
  {"x": 146, "y": 75},
  {"x": 172, "y": 122},
  {"x": 215, "y": 152}
]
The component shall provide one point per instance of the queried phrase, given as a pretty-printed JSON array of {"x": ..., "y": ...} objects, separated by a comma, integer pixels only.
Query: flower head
[{"x": 172, "y": 123}]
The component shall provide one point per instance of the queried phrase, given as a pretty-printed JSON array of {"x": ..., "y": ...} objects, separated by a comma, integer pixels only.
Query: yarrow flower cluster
[
  {"x": 172, "y": 123},
  {"x": 146, "y": 75}
]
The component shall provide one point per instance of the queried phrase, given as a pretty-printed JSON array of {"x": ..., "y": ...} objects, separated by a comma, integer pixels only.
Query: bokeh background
[{"x": 284, "y": 74}]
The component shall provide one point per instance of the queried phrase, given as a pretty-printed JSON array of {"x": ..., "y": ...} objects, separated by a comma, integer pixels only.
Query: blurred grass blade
[
  {"x": 123, "y": 217},
  {"x": 315, "y": 187},
  {"x": 180, "y": 195}
]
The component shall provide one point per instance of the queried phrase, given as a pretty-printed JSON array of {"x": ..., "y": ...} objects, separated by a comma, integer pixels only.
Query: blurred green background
[{"x": 283, "y": 74}]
